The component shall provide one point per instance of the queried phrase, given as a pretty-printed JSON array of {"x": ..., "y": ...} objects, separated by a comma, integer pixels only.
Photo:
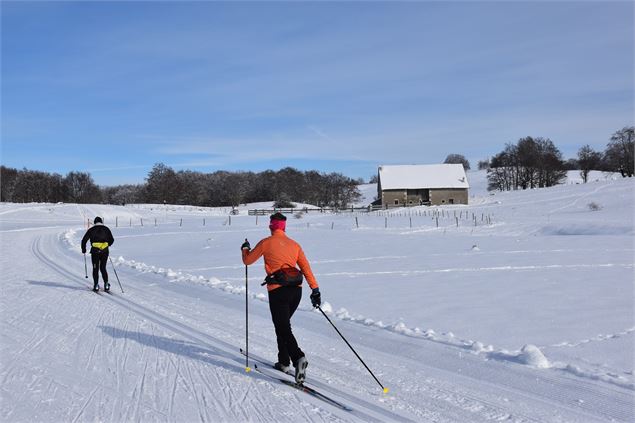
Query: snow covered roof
[{"x": 423, "y": 176}]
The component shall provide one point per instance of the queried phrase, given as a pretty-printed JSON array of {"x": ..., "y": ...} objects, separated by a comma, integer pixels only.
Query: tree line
[
  {"x": 537, "y": 162},
  {"x": 165, "y": 185},
  {"x": 21, "y": 186}
]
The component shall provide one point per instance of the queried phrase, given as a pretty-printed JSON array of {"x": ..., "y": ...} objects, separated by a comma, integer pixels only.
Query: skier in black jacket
[{"x": 100, "y": 239}]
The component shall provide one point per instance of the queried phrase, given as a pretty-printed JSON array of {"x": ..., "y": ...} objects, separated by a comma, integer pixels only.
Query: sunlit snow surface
[{"x": 519, "y": 308}]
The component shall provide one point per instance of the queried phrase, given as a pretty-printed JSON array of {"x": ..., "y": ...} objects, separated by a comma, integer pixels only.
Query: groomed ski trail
[{"x": 161, "y": 353}]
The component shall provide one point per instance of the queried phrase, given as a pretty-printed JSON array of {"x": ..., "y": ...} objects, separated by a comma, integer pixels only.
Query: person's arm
[
  {"x": 250, "y": 256},
  {"x": 306, "y": 269},
  {"x": 111, "y": 240},
  {"x": 84, "y": 240}
]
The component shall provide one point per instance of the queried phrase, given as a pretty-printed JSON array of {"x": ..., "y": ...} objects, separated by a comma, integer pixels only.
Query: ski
[
  {"x": 306, "y": 389},
  {"x": 300, "y": 386},
  {"x": 268, "y": 364}
]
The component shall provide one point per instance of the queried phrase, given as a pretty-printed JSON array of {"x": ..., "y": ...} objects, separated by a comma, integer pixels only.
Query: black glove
[
  {"x": 83, "y": 251},
  {"x": 316, "y": 299},
  {"x": 245, "y": 245}
]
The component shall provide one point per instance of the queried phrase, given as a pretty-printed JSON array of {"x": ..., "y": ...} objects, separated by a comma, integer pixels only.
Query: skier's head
[
  {"x": 98, "y": 220},
  {"x": 278, "y": 221}
]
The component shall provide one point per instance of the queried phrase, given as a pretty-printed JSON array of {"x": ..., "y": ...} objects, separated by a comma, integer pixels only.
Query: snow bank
[{"x": 532, "y": 356}]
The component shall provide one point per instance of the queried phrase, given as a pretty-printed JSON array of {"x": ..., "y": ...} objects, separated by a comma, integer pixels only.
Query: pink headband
[{"x": 277, "y": 224}]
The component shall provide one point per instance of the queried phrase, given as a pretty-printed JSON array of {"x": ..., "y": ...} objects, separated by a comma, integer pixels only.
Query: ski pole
[
  {"x": 247, "y": 368},
  {"x": 85, "y": 266},
  {"x": 113, "y": 268},
  {"x": 349, "y": 345}
]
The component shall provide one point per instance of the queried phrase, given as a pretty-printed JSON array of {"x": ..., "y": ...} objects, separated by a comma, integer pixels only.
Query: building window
[
  {"x": 451, "y": 201},
  {"x": 396, "y": 202}
]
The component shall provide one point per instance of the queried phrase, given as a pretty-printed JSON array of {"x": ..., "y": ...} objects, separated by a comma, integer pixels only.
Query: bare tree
[
  {"x": 483, "y": 164},
  {"x": 588, "y": 160},
  {"x": 8, "y": 178},
  {"x": 162, "y": 185},
  {"x": 458, "y": 159},
  {"x": 81, "y": 188},
  {"x": 530, "y": 163},
  {"x": 620, "y": 150}
]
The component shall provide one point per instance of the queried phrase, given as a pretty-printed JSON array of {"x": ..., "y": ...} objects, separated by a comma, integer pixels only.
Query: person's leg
[
  {"x": 103, "y": 260},
  {"x": 295, "y": 295},
  {"x": 279, "y": 305},
  {"x": 94, "y": 258}
]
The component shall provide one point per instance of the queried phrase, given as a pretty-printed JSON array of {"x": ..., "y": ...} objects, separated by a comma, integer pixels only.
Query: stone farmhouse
[{"x": 414, "y": 185}]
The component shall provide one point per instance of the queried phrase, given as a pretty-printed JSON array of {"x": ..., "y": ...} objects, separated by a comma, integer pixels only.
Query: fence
[
  {"x": 352, "y": 209},
  {"x": 453, "y": 216}
]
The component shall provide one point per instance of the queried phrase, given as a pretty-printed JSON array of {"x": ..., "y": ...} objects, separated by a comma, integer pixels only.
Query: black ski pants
[
  {"x": 99, "y": 259},
  {"x": 283, "y": 302}
]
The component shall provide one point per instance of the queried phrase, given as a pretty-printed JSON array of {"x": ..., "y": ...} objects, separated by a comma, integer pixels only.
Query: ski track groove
[
  {"x": 194, "y": 392},
  {"x": 139, "y": 389},
  {"x": 175, "y": 382},
  {"x": 81, "y": 411}
]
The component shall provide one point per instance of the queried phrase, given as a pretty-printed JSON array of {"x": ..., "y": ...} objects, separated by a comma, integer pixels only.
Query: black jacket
[{"x": 98, "y": 233}]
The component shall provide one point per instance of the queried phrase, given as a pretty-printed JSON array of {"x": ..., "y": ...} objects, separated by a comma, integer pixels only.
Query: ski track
[{"x": 202, "y": 367}]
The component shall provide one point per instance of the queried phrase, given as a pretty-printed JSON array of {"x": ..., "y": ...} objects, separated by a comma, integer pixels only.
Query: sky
[{"x": 112, "y": 88}]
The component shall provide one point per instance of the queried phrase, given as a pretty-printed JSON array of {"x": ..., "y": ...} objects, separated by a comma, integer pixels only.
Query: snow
[
  {"x": 423, "y": 176},
  {"x": 522, "y": 312}
]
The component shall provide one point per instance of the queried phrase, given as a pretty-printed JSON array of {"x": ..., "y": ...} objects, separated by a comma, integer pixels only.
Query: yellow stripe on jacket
[{"x": 100, "y": 245}]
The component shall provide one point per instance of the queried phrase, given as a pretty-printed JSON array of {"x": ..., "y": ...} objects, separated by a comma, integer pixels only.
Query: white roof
[{"x": 423, "y": 176}]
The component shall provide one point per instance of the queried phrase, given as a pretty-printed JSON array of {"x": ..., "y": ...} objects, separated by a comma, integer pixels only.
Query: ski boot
[
  {"x": 300, "y": 370},
  {"x": 106, "y": 287},
  {"x": 284, "y": 368},
  {"x": 96, "y": 287}
]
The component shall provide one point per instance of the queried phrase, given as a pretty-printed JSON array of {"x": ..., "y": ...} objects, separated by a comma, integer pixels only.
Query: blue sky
[{"x": 112, "y": 88}]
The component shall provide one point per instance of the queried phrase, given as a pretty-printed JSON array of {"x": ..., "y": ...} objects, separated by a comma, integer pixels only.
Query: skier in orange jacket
[{"x": 284, "y": 286}]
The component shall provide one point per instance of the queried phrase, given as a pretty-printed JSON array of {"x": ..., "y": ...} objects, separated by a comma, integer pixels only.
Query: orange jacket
[{"x": 280, "y": 250}]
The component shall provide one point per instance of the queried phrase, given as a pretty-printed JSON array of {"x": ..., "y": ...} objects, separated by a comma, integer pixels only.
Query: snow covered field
[{"x": 520, "y": 308}]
